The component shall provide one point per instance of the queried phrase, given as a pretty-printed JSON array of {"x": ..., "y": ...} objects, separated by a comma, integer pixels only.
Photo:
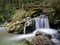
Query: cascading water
[
  {"x": 27, "y": 19},
  {"x": 41, "y": 25},
  {"x": 2, "y": 28},
  {"x": 24, "y": 28},
  {"x": 41, "y": 22},
  {"x": 37, "y": 23},
  {"x": 46, "y": 22}
]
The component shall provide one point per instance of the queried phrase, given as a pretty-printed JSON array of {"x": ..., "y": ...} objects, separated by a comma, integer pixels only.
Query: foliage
[
  {"x": 14, "y": 10},
  {"x": 51, "y": 16},
  {"x": 9, "y": 13},
  {"x": 19, "y": 15},
  {"x": 1, "y": 19},
  {"x": 7, "y": 10}
]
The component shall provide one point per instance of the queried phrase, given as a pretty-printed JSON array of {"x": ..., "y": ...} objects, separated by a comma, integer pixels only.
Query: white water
[
  {"x": 24, "y": 28},
  {"x": 31, "y": 35},
  {"x": 37, "y": 23},
  {"x": 21, "y": 37},
  {"x": 46, "y": 23},
  {"x": 46, "y": 31},
  {"x": 42, "y": 25},
  {"x": 2, "y": 28},
  {"x": 41, "y": 22},
  {"x": 27, "y": 19}
]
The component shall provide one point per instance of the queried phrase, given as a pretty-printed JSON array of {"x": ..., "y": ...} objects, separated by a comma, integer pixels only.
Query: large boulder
[{"x": 40, "y": 40}]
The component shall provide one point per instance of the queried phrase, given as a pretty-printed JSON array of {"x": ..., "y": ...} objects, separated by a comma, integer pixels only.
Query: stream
[{"x": 4, "y": 35}]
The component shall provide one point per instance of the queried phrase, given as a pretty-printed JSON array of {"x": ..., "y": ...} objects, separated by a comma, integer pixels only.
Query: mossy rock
[
  {"x": 18, "y": 28},
  {"x": 15, "y": 27},
  {"x": 10, "y": 26}
]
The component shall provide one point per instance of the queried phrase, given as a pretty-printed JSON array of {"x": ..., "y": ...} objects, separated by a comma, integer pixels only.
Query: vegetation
[
  {"x": 9, "y": 7},
  {"x": 14, "y": 13}
]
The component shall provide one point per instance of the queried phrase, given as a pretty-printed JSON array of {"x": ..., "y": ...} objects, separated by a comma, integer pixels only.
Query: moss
[{"x": 1, "y": 19}]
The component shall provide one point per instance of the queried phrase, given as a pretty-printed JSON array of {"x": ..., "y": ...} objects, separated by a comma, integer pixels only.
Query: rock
[{"x": 40, "y": 40}]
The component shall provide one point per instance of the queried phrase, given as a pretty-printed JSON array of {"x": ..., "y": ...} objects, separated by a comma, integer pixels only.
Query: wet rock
[{"x": 40, "y": 40}]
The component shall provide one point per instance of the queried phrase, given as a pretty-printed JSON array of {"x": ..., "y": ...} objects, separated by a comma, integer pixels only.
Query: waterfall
[
  {"x": 37, "y": 23},
  {"x": 46, "y": 22},
  {"x": 41, "y": 25},
  {"x": 41, "y": 22},
  {"x": 27, "y": 19},
  {"x": 24, "y": 28}
]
